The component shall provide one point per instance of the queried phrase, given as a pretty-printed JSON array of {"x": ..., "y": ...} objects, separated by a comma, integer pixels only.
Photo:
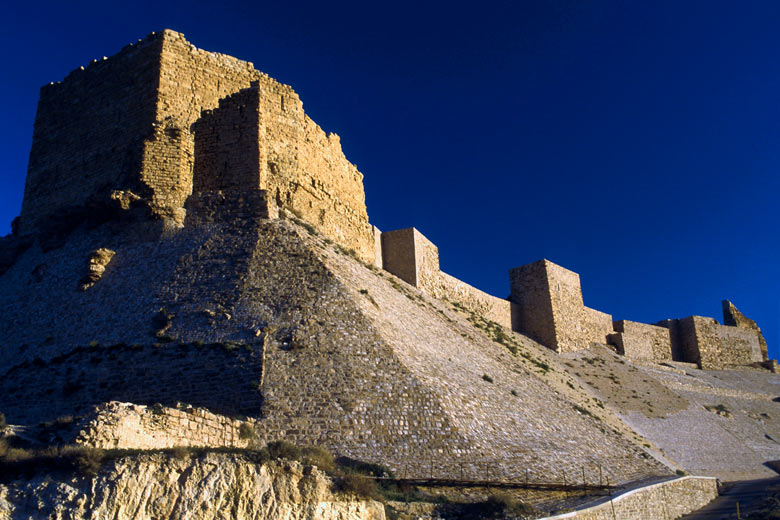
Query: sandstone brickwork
[
  {"x": 547, "y": 305},
  {"x": 550, "y": 308},
  {"x": 733, "y": 318},
  {"x": 89, "y": 134},
  {"x": 641, "y": 341},
  {"x": 386, "y": 375},
  {"x": 409, "y": 255},
  {"x": 711, "y": 345},
  {"x": 206, "y": 300},
  {"x": 124, "y": 123},
  {"x": 116, "y": 425},
  {"x": 662, "y": 501}
]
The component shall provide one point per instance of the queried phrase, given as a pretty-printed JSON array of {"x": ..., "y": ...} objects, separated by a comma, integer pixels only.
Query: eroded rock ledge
[{"x": 211, "y": 486}]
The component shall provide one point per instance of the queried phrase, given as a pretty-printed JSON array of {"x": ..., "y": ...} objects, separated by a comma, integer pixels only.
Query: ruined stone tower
[{"x": 124, "y": 127}]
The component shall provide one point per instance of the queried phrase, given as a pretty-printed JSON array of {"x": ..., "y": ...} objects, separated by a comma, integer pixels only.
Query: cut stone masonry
[
  {"x": 125, "y": 123},
  {"x": 193, "y": 137},
  {"x": 546, "y": 304},
  {"x": 209, "y": 298}
]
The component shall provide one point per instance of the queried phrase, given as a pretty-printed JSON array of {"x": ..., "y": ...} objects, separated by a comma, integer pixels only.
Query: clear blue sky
[{"x": 637, "y": 143}]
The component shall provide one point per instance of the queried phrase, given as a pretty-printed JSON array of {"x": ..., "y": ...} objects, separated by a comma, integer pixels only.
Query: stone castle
[
  {"x": 186, "y": 133},
  {"x": 190, "y": 238}
]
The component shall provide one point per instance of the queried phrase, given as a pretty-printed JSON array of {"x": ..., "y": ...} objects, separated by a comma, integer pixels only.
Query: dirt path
[{"x": 749, "y": 493}]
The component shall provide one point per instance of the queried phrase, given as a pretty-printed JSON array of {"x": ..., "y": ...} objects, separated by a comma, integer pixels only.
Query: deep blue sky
[{"x": 637, "y": 143}]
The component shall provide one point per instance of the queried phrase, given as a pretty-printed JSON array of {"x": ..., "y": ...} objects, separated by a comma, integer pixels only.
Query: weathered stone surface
[
  {"x": 641, "y": 341},
  {"x": 212, "y": 300},
  {"x": 211, "y": 486},
  {"x": 115, "y": 425},
  {"x": 661, "y": 501},
  {"x": 390, "y": 375},
  {"x": 96, "y": 266},
  {"x": 413, "y": 258},
  {"x": 732, "y": 317},
  {"x": 550, "y": 308},
  {"x": 701, "y": 340},
  {"x": 144, "y": 100}
]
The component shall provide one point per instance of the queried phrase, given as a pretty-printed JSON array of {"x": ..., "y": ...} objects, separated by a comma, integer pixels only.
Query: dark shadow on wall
[{"x": 222, "y": 377}]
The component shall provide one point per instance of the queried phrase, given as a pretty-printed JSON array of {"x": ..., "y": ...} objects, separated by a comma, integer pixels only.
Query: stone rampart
[
  {"x": 642, "y": 342},
  {"x": 409, "y": 255},
  {"x": 702, "y": 340},
  {"x": 662, "y": 501},
  {"x": 220, "y": 377},
  {"x": 551, "y": 310},
  {"x": 598, "y": 325},
  {"x": 118, "y": 425},
  {"x": 486, "y": 305}
]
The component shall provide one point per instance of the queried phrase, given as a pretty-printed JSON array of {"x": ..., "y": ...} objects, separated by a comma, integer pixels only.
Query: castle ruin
[
  {"x": 193, "y": 245},
  {"x": 190, "y": 134}
]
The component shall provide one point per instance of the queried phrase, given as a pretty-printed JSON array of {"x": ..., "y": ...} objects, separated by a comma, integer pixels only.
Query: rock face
[
  {"x": 213, "y": 486},
  {"x": 96, "y": 266}
]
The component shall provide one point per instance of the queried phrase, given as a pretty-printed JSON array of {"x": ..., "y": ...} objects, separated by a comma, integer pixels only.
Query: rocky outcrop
[
  {"x": 96, "y": 266},
  {"x": 212, "y": 486}
]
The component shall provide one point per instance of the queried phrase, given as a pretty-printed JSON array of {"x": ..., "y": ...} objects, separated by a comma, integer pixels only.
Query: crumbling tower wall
[
  {"x": 125, "y": 124},
  {"x": 89, "y": 135},
  {"x": 733, "y": 318}
]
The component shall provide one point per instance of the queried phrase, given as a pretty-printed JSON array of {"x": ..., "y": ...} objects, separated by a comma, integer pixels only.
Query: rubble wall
[{"x": 118, "y": 425}]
